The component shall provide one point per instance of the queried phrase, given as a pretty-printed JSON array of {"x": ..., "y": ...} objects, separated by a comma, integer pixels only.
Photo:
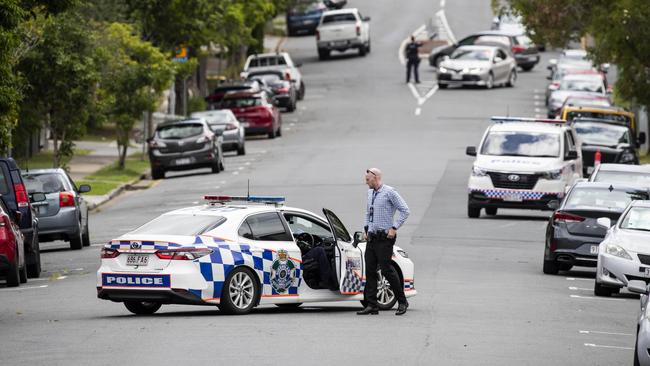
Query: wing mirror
[
  {"x": 84, "y": 188},
  {"x": 359, "y": 237},
  {"x": 553, "y": 204},
  {"x": 605, "y": 222},
  {"x": 637, "y": 287},
  {"x": 366, "y": 19},
  {"x": 298, "y": 64},
  {"x": 37, "y": 197},
  {"x": 571, "y": 155},
  {"x": 470, "y": 151}
]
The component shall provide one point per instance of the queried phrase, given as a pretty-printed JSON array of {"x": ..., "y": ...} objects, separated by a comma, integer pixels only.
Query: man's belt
[{"x": 377, "y": 235}]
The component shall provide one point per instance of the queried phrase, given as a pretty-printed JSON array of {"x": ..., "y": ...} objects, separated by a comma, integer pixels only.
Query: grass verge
[
  {"x": 45, "y": 159},
  {"x": 645, "y": 159},
  {"x": 110, "y": 177}
]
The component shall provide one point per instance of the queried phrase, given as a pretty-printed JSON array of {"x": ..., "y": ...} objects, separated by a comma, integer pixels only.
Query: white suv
[
  {"x": 522, "y": 163},
  {"x": 280, "y": 61}
]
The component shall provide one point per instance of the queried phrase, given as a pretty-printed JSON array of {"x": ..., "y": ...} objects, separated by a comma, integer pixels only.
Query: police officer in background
[
  {"x": 381, "y": 233},
  {"x": 412, "y": 59}
]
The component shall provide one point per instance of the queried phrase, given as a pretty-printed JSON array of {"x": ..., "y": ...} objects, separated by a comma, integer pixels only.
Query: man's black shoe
[
  {"x": 368, "y": 310},
  {"x": 401, "y": 309}
]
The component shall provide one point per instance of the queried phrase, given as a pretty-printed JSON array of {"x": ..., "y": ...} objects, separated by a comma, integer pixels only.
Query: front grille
[
  {"x": 644, "y": 258},
  {"x": 502, "y": 180}
]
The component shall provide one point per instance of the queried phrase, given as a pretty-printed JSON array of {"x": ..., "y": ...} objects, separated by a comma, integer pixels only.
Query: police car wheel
[
  {"x": 142, "y": 307},
  {"x": 386, "y": 298},
  {"x": 240, "y": 292},
  {"x": 473, "y": 211},
  {"x": 491, "y": 211}
]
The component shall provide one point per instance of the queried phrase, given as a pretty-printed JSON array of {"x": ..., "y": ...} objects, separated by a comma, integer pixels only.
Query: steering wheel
[{"x": 307, "y": 238}]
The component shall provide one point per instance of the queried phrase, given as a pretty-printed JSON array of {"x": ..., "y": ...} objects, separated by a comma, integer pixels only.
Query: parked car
[
  {"x": 575, "y": 84},
  {"x": 15, "y": 197},
  {"x": 63, "y": 215},
  {"x": 223, "y": 122},
  {"x": 183, "y": 145},
  {"x": 283, "y": 90},
  {"x": 255, "y": 111},
  {"x": 614, "y": 142},
  {"x": 221, "y": 90},
  {"x": 562, "y": 70},
  {"x": 13, "y": 265},
  {"x": 624, "y": 254},
  {"x": 635, "y": 175},
  {"x": 525, "y": 52},
  {"x": 642, "y": 343},
  {"x": 572, "y": 235},
  {"x": 303, "y": 16},
  {"x": 341, "y": 30},
  {"x": 584, "y": 101},
  {"x": 611, "y": 113},
  {"x": 280, "y": 61},
  {"x": 478, "y": 65}
]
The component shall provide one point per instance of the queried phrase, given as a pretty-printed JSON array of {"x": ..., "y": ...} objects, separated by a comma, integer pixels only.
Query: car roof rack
[
  {"x": 264, "y": 200},
  {"x": 502, "y": 119}
]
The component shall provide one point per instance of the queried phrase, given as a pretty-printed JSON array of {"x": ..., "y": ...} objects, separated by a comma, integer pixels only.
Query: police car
[
  {"x": 522, "y": 163},
  {"x": 237, "y": 253}
]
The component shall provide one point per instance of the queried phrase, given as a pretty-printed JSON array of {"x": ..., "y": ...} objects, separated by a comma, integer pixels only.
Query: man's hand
[
  {"x": 391, "y": 233},
  {"x": 365, "y": 236}
]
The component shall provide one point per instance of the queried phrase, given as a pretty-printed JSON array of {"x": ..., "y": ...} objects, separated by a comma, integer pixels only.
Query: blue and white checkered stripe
[
  {"x": 147, "y": 245},
  {"x": 409, "y": 284},
  {"x": 352, "y": 282},
  {"x": 525, "y": 195}
]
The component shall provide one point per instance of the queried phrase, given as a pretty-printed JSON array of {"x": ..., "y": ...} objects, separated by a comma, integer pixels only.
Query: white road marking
[
  {"x": 603, "y": 346},
  {"x": 537, "y": 96},
  {"x": 595, "y": 298},
  {"x": 414, "y": 91},
  {"x": 23, "y": 288},
  {"x": 508, "y": 225},
  {"x": 418, "y": 110},
  {"x": 442, "y": 3},
  {"x": 579, "y": 279},
  {"x": 607, "y": 333},
  {"x": 247, "y": 163},
  {"x": 580, "y": 289},
  {"x": 540, "y": 116},
  {"x": 240, "y": 168},
  {"x": 235, "y": 173},
  {"x": 537, "y": 102},
  {"x": 217, "y": 187},
  {"x": 443, "y": 20},
  {"x": 539, "y": 110}
]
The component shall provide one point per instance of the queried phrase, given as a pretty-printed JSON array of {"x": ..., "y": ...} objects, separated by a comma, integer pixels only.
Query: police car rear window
[{"x": 180, "y": 225}]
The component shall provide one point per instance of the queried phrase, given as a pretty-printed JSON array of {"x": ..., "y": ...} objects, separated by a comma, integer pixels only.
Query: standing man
[
  {"x": 412, "y": 60},
  {"x": 381, "y": 233}
]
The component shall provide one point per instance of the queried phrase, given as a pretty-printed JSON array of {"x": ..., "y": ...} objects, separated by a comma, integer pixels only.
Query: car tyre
[
  {"x": 600, "y": 290},
  {"x": 13, "y": 273},
  {"x": 442, "y": 86},
  {"x": 489, "y": 84},
  {"x": 240, "y": 292},
  {"x": 279, "y": 133},
  {"x": 512, "y": 78},
  {"x": 550, "y": 267},
  {"x": 272, "y": 133},
  {"x": 301, "y": 91},
  {"x": 527, "y": 67},
  {"x": 368, "y": 47},
  {"x": 241, "y": 149},
  {"x": 391, "y": 300},
  {"x": 473, "y": 212},
  {"x": 76, "y": 241},
  {"x": 491, "y": 211},
  {"x": 142, "y": 307},
  {"x": 34, "y": 269},
  {"x": 362, "y": 51},
  {"x": 22, "y": 273},
  {"x": 86, "y": 236},
  {"x": 323, "y": 54},
  {"x": 157, "y": 173}
]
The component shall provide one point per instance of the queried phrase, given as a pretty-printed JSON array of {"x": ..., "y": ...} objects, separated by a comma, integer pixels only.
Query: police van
[{"x": 522, "y": 163}]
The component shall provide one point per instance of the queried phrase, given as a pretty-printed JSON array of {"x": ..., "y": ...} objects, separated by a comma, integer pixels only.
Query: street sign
[{"x": 182, "y": 55}]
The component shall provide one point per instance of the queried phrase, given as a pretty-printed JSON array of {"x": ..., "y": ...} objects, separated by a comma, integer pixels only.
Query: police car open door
[{"x": 349, "y": 260}]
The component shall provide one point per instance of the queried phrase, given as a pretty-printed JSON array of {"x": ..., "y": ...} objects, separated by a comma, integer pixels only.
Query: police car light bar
[
  {"x": 525, "y": 119},
  {"x": 276, "y": 200}
]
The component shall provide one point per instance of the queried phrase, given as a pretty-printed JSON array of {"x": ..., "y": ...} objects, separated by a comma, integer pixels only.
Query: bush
[{"x": 196, "y": 104}]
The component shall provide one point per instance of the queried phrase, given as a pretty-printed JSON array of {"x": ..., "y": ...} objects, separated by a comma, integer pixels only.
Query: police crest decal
[{"x": 283, "y": 272}]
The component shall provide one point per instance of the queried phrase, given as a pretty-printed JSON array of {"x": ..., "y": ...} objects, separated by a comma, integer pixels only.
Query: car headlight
[
  {"x": 402, "y": 253},
  {"x": 553, "y": 174},
  {"x": 478, "y": 172},
  {"x": 442, "y": 69},
  {"x": 617, "y": 251},
  {"x": 627, "y": 157}
]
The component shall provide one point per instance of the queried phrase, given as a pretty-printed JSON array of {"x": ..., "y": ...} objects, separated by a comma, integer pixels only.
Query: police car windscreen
[
  {"x": 628, "y": 178},
  {"x": 522, "y": 144},
  {"x": 637, "y": 218},
  {"x": 600, "y": 198},
  {"x": 602, "y": 134},
  {"x": 180, "y": 225},
  {"x": 181, "y": 131}
]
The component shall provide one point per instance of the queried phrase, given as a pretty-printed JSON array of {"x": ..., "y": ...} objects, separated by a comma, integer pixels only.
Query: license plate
[
  {"x": 307, "y": 22},
  {"x": 183, "y": 161},
  {"x": 137, "y": 260},
  {"x": 647, "y": 272},
  {"x": 513, "y": 197},
  {"x": 339, "y": 43},
  {"x": 456, "y": 77},
  {"x": 594, "y": 249}
]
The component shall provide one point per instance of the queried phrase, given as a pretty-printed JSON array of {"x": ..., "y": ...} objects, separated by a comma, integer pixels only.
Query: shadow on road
[{"x": 259, "y": 311}]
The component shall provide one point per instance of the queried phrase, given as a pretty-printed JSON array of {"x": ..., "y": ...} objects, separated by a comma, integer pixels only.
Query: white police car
[
  {"x": 237, "y": 253},
  {"x": 522, "y": 163}
]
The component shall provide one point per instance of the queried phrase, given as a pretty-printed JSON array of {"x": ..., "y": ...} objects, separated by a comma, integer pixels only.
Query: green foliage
[
  {"x": 196, "y": 103},
  {"x": 134, "y": 75},
  {"x": 112, "y": 176}
]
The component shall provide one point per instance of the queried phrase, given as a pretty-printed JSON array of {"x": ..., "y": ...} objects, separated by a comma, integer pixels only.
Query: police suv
[
  {"x": 522, "y": 163},
  {"x": 237, "y": 253}
]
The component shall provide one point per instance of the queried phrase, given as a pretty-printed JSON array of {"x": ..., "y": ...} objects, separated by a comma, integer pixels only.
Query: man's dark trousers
[
  {"x": 412, "y": 64},
  {"x": 379, "y": 250}
]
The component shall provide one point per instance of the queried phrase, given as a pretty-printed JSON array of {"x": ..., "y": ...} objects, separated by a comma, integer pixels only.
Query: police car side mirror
[
  {"x": 470, "y": 150},
  {"x": 571, "y": 155},
  {"x": 358, "y": 238},
  {"x": 553, "y": 204}
]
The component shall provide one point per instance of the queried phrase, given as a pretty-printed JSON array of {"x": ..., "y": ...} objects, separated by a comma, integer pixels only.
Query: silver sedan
[
  {"x": 223, "y": 122},
  {"x": 64, "y": 213},
  {"x": 478, "y": 65}
]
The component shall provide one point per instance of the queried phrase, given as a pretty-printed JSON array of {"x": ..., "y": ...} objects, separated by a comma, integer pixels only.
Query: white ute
[
  {"x": 340, "y": 30},
  {"x": 523, "y": 163},
  {"x": 280, "y": 61}
]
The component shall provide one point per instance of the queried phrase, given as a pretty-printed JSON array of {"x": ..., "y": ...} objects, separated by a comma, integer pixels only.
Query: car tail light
[
  {"x": 187, "y": 254},
  {"x": 282, "y": 90},
  {"x": 109, "y": 253},
  {"x": 66, "y": 199},
  {"x": 21, "y": 195},
  {"x": 518, "y": 48},
  {"x": 567, "y": 217},
  {"x": 287, "y": 75},
  {"x": 4, "y": 228},
  {"x": 317, "y": 35},
  {"x": 230, "y": 127},
  {"x": 358, "y": 30}
]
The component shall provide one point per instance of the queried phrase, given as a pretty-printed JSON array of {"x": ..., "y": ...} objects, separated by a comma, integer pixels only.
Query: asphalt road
[{"x": 482, "y": 298}]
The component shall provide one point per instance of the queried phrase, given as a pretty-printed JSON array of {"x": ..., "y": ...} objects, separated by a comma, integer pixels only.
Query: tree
[
  {"x": 134, "y": 75},
  {"x": 61, "y": 75}
]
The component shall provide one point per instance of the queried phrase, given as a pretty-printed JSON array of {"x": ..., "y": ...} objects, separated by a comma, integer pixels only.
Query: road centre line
[
  {"x": 579, "y": 279},
  {"x": 610, "y": 347},
  {"x": 606, "y": 333},
  {"x": 418, "y": 110},
  {"x": 443, "y": 20},
  {"x": 594, "y": 298},
  {"x": 580, "y": 289},
  {"x": 23, "y": 288}
]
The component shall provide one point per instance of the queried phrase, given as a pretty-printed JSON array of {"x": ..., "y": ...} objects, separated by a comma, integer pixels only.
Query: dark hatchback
[
  {"x": 524, "y": 50},
  {"x": 183, "y": 145},
  {"x": 283, "y": 91},
  {"x": 572, "y": 234},
  {"x": 614, "y": 141}
]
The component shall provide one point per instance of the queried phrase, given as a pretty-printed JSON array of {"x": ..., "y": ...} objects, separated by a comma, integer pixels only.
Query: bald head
[{"x": 373, "y": 178}]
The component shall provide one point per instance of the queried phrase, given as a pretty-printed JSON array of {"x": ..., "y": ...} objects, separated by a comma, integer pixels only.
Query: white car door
[{"x": 349, "y": 260}]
